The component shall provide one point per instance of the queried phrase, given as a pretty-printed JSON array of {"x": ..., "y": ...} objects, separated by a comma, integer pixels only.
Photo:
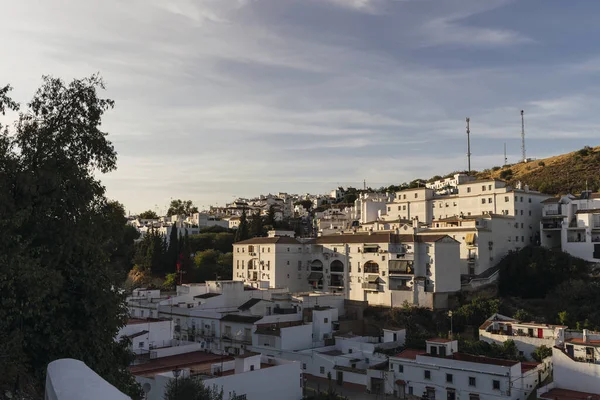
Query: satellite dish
[{"x": 146, "y": 387}]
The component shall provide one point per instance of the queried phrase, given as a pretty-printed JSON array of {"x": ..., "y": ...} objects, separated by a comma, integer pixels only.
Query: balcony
[
  {"x": 401, "y": 267},
  {"x": 370, "y": 286},
  {"x": 551, "y": 225}
]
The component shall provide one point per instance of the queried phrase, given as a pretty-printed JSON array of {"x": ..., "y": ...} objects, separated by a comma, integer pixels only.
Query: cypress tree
[{"x": 242, "y": 232}]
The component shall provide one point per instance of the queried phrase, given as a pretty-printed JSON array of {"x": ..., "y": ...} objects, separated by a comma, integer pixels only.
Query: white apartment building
[
  {"x": 147, "y": 334},
  {"x": 572, "y": 224},
  {"x": 381, "y": 268},
  {"x": 441, "y": 372},
  {"x": 526, "y": 335},
  {"x": 369, "y": 207}
]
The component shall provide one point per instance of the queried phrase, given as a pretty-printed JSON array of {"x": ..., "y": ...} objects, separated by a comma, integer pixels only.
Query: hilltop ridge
[{"x": 565, "y": 173}]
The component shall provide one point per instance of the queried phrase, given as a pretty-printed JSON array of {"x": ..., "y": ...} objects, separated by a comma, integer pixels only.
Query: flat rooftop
[
  {"x": 565, "y": 394},
  {"x": 197, "y": 361}
]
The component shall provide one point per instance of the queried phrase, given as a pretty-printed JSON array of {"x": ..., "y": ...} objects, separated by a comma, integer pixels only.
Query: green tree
[
  {"x": 522, "y": 315},
  {"x": 206, "y": 265},
  {"x": 271, "y": 216},
  {"x": 256, "y": 224},
  {"x": 542, "y": 352},
  {"x": 173, "y": 250},
  {"x": 148, "y": 214},
  {"x": 59, "y": 233},
  {"x": 243, "y": 230},
  {"x": 181, "y": 207},
  {"x": 190, "y": 388}
]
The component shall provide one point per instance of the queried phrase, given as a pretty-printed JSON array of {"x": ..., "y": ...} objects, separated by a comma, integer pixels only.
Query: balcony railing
[
  {"x": 552, "y": 226},
  {"x": 370, "y": 286}
]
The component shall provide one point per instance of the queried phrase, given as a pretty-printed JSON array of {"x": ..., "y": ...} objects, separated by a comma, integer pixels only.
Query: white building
[
  {"x": 450, "y": 184},
  {"x": 572, "y": 224},
  {"x": 576, "y": 368},
  {"x": 381, "y": 268},
  {"x": 441, "y": 372},
  {"x": 249, "y": 376},
  {"x": 526, "y": 335},
  {"x": 147, "y": 334}
]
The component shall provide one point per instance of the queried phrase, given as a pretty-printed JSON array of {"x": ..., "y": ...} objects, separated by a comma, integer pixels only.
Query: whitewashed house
[{"x": 441, "y": 372}]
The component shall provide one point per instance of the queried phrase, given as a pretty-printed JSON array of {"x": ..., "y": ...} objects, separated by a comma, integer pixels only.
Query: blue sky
[{"x": 223, "y": 98}]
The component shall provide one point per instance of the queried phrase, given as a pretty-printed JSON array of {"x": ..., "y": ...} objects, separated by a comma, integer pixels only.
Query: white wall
[
  {"x": 575, "y": 375},
  {"x": 296, "y": 337},
  {"x": 282, "y": 382},
  {"x": 69, "y": 379}
]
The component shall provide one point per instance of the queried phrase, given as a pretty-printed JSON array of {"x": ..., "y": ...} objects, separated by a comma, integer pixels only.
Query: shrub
[
  {"x": 542, "y": 164},
  {"x": 506, "y": 174},
  {"x": 496, "y": 168}
]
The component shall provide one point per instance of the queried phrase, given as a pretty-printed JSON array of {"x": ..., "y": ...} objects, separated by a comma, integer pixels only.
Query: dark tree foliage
[
  {"x": 149, "y": 214},
  {"x": 181, "y": 207},
  {"x": 256, "y": 225},
  {"x": 243, "y": 230},
  {"x": 507, "y": 350},
  {"x": 190, "y": 388},
  {"x": 212, "y": 264},
  {"x": 151, "y": 253},
  {"x": 577, "y": 301},
  {"x": 271, "y": 217},
  {"x": 63, "y": 251},
  {"x": 541, "y": 353},
  {"x": 173, "y": 250},
  {"x": 546, "y": 268}
]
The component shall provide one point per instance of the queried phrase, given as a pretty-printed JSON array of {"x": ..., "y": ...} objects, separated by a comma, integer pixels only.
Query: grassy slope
[{"x": 566, "y": 173}]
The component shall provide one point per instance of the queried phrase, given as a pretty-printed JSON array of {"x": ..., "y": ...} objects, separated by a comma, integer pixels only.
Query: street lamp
[
  {"x": 451, "y": 330},
  {"x": 176, "y": 373}
]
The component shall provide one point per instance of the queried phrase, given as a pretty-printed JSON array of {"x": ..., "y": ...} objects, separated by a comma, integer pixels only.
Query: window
[
  {"x": 530, "y": 213},
  {"x": 389, "y": 208},
  {"x": 288, "y": 249},
  {"x": 472, "y": 381},
  {"x": 490, "y": 200},
  {"x": 496, "y": 385},
  {"x": 483, "y": 188},
  {"x": 523, "y": 239},
  {"x": 521, "y": 212},
  {"x": 299, "y": 276},
  {"x": 238, "y": 249},
  {"x": 516, "y": 238},
  {"x": 489, "y": 187},
  {"x": 382, "y": 273},
  {"x": 482, "y": 201},
  {"x": 433, "y": 205},
  {"x": 401, "y": 368},
  {"x": 529, "y": 200},
  {"x": 404, "y": 197},
  {"x": 449, "y": 378},
  {"x": 427, "y": 374},
  {"x": 325, "y": 320},
  {"x": 141, "y": 345},
  {"x": 434, "y": 350},
  {"x": 349, "y": 351},
  {"x": 506, "y": 199},
  {"x": 416, "y": 195},
  {"x": 521, "y": 199},
  {"x": 398, "y": 208},
  {"x": 238, "y": 263},
  {"x": 410, "y": 390},
  {"x": 403, "y": 208},
  {"x": 288, "y": 276},
  {"x": 299, "y": 265},
  {"x": 288, "y": 262},
  {"x": 252, "y": 368},
  {"x": 303, "y": 365},
  {"x": 322, "y": 370},
  {"x": 521, "y": 225},
  {"x": 468, "y": 190}
]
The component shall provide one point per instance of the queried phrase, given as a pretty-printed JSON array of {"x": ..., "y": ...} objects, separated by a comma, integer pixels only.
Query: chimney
[{"x": 585, "y": 336}]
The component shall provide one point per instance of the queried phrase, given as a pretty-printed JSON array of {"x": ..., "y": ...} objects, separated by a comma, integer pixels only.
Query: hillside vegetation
[{"x": 566, "y": 173}]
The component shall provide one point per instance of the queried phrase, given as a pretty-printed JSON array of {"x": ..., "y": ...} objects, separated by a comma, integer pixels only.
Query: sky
[{"x": 217, "y": 99}]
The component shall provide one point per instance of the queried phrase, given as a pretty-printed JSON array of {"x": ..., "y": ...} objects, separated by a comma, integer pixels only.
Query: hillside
[{"x": 566, "y": 173}]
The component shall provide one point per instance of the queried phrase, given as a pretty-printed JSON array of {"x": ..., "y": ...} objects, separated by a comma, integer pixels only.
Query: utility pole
[
  {"x": 523, "y": 136},
  {"x": 505, "y": 159},
  {"x": 469, "y": 144}
]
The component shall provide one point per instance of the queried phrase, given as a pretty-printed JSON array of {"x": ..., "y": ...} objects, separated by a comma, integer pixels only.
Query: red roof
[
  {"x": 565, "y": 394},
  {"x": 400, "y": 382},
  {"x": 164, "y": 364},
  {"x": 588, "y": 342},
  {"x": 528, "y": 366},
  {"x": 410, "y": 354}
]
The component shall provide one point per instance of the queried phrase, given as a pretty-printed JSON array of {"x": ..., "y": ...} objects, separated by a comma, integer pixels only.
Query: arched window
[
  {"x": 316, "y": 265},
  {"x": 371, "y": 267},
  {"x": 337, "y": 266}
]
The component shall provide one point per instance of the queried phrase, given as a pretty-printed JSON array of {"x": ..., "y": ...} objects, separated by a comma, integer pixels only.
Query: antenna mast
[
  {"x": 469, "y": 144},
  {"x": 505, "y": 159},
  {"x": 523, "y": 136}
]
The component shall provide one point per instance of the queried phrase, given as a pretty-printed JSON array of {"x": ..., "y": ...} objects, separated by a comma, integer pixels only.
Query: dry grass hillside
[{"x": 566, "y": 173}]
